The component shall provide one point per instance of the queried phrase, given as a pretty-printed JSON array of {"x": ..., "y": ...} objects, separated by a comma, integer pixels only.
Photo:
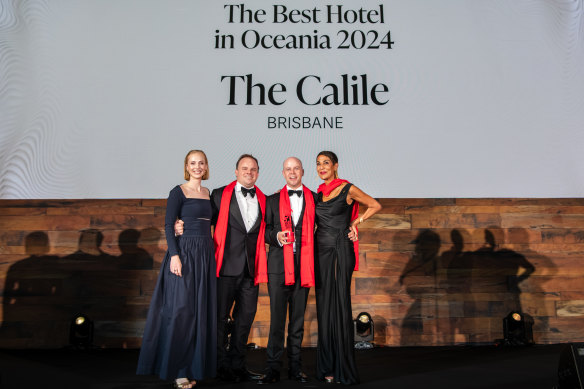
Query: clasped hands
[{"x": 283, "y": 237}]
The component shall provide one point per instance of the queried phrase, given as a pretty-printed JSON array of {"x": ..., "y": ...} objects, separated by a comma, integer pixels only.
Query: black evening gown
[
  {"x": 335, "y": 261},
  {"x": 180, "y": 337}
]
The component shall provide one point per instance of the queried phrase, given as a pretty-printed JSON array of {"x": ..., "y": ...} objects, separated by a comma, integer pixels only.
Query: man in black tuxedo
[
  {"x": 237, "y": 283},
  {"x": 241, "y": 264},
  {"x": 292, "y": 297}
]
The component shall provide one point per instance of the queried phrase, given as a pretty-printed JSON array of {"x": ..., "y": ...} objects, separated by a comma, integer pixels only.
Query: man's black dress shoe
[
  {"x": 252, "y": 375},
  {"x": 246, "y": 375},
  {"x": 269, "y": 378},
  {"x": 300, "y": 377}
]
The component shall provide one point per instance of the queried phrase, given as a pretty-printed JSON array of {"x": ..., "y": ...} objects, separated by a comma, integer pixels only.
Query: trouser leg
[
  {"x": 296, "y": 309},
  {"x": 225, "y": 298},
  {"x": 246, "y": 300},
  {"x": 278, "y": 302}
]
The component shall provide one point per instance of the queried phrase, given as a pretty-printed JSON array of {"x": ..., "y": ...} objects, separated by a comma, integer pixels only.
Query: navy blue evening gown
[{"x": 180, "y": 337}]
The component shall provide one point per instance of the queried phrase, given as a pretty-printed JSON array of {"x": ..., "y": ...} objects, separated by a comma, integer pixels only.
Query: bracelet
[{"x": 361, "y": 221}]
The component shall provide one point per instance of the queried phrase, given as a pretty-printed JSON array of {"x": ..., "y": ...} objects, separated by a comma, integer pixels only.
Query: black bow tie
[
  {"x": 294, "y": 192},
  {"x": 245, "y": 191}
]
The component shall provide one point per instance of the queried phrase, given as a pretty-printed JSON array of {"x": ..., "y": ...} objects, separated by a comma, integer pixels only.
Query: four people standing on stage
[{"x": 244, "y": 221}]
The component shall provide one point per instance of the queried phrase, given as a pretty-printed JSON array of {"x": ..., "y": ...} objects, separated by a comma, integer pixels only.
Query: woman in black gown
[
  {"x": 180, "y": 341},
  {"x": 337, "y": 215}
]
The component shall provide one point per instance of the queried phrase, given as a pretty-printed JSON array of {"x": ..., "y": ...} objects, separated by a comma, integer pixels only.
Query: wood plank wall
[{"x": 433, "y": 271}]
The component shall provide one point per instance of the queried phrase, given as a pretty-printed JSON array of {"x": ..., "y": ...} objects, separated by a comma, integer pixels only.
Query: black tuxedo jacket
[
  {"x": 273, "y": 226},
  {"x": 240, "y": 245}
]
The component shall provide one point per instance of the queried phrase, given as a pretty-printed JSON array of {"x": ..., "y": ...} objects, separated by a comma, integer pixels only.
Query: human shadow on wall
[
  {"x": 420, "y": 278},
  {"x": 132, "y": 256},
  {"x": 533, "y": 297},
  {"x": 29, "y": 282},
  {"x": 86, "y": 274},
  {"x": 44, "y": 292},
  {"x": 502, "y": 266},
  {"x": 452, "y": 289},
  {"x": 497, "y": 275},
  {"x": 103, "y": 286},
  {"x": 150, "y": 241},
  {"x": 456, "y": 285},
  {"x": 89, "y": 247}
]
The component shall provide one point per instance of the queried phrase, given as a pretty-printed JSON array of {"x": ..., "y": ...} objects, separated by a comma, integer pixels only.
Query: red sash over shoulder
[
  {"x": 261, "y": 262},
  {"x": 326, "y": 190},
  {"x": 307, "y": 240}
]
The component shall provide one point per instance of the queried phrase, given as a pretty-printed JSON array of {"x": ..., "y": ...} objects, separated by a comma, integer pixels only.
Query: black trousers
[
  {"x": 242, "y": 292},
  {"x": 292, "y": 298}
]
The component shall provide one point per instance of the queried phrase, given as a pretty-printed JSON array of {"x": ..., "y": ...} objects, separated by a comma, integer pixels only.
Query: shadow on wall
[
  {"x": 89, "y": 247},
  {"x": 44, "y": 292},
  {"x": 452, "y": 290},
  {"x": 133, "y": 256},
  {"x": 449, "y": 291},
  {"x": 419, "y": 278}
]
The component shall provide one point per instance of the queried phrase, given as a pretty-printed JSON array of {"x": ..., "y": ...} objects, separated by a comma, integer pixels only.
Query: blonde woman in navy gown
[
  {"x": 337, "y": 214},
  {"x": 180, "y": 341}
]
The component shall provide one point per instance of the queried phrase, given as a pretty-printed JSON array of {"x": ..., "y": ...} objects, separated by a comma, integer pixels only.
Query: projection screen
[{"x": 418, "y": 98}]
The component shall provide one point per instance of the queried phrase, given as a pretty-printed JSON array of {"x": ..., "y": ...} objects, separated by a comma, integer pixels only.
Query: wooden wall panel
[{"x": 433, "y": 271}]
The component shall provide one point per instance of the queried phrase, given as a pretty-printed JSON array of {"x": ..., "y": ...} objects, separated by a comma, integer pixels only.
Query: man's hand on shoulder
[{"x": 179, "y": 227}]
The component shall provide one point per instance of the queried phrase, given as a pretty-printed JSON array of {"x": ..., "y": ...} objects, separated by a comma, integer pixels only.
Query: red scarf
[
  {"x": 326, "y": 190},
  {"x": 261, "y": 262},
  {"x": 307, "y": 240}
]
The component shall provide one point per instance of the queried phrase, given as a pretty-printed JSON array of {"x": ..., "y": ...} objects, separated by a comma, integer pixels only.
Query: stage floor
[{"x": 383, "y": 367}]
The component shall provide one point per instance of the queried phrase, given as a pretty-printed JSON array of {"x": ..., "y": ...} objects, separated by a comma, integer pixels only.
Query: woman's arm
[
  {"x": 364, "y": 199},
  {"x": 173, "y": 205}
]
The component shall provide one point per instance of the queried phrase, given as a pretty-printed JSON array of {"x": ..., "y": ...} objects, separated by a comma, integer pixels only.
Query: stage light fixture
[
  {"x": 81, "y": 331},
  {"x": 516, "y": 330},
  {"x": 363, "y": 330}
]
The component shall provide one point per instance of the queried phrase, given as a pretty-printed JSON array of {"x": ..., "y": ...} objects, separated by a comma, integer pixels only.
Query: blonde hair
[{"x": 187, "y": 175}]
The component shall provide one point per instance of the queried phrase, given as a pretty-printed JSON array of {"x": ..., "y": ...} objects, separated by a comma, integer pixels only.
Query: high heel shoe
[{"x": 182, "y": 383}]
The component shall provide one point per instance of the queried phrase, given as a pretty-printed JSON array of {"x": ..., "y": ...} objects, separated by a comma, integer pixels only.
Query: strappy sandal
[{"x": 182, "y": 383}]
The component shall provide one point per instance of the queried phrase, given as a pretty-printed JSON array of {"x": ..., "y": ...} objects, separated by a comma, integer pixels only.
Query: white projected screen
[{"x": 418, "y": 98}]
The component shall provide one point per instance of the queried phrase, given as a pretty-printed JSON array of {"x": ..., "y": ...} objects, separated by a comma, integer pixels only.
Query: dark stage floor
[{"x": 426, "y": 367}]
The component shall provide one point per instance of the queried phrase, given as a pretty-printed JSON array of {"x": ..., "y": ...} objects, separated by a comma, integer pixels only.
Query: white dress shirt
[
  {"x": 248, "y": 206},
  {"x": 296, "y": 206}
]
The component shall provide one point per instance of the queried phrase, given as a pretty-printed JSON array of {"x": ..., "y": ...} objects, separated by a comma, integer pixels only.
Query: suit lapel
[
  {"x": 301, "y": 212},
  {"x": 235, "y": 212}
]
